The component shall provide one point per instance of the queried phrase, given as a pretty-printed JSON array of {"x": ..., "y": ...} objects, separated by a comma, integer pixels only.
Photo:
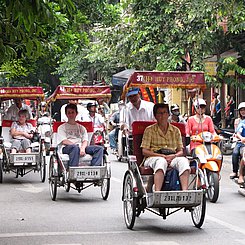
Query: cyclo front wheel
[
  {"x": 213, "y": 189},
  {"x": 129, "y": 201},
  {"x": 105, "y": 188},
  {"x": 53, "y": 179},
  {"x": 198, "y": 213}
]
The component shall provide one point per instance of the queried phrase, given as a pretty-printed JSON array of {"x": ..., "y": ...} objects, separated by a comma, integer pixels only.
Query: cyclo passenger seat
[
  {"x": 6, "y": 126},
  {"x": 138, "y": 128},
  {"x": 85, "y": 160}
]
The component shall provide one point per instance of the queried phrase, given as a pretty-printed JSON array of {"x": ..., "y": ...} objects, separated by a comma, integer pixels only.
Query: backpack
[{"x": 171, "y": 180}]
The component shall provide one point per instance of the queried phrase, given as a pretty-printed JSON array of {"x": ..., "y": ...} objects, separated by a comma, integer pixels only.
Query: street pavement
[{"x": 30, "y": 217}]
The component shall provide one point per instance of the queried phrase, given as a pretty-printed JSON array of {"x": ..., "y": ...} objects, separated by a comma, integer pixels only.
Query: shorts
[{"x": 156, "y": 163}]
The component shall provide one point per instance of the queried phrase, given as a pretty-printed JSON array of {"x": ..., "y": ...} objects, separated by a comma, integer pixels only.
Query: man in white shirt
[
  {"x": 13, "y": 110},
  {"x": 74, "y": 138},
  {"x": 81, "y": 111},
  {"x": 137, "y": 109},
  {"x": 92, "y": 116}
]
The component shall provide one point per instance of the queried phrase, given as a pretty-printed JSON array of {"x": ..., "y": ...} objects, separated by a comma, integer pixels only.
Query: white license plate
[
  {"x": 81, "y": 174},
  {"x": 180, "y": 197},
  {"x": 24, "y": 158}
]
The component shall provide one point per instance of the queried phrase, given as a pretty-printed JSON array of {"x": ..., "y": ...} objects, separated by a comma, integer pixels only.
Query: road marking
[
  {"x": 28, "y": 187},
  {"x": 62, "y": 233},
  {"x": 227, "y": 225},
  {"x": 158, "y": 243}
]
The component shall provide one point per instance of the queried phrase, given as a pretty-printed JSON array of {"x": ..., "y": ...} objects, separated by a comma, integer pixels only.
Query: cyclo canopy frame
[{"x": 165, "y": 79}]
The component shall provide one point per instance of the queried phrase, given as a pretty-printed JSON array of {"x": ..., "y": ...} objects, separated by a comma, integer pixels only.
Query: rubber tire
[
  {"x": 198, "y": 213},
  {"x": 1, "y": 171},
  {"x": 223, "y": 150},
  {"x": 105, "y": 188},
  {"x": 129, "y": 202},
  {"x": 213, "y": 190},
  {"x": 53, "y": 180},
  {"x": 42, "y": 168},
  {"x": 67, "y": 186}
]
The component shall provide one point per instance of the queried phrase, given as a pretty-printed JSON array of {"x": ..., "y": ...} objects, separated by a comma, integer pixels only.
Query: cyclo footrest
[{"x": 174, "y": 199}]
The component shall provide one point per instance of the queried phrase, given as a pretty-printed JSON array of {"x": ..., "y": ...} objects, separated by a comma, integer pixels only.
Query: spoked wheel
[
  {"x": 213, "y": 189},
  {"x": 105, "y": 188},
  {"x": 129, "y": 201},
  {"x": 42, "y": 168},
  {"x": 198, "y": 213},
  {"x": 1, "y": 171},
  {"x": 67, "y": 186},
  {"x": 53, "y": 179}
]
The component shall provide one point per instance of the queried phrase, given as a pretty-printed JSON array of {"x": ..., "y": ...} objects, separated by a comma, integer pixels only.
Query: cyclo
[
  {"x": 135, "y": 197},
  {"x": 84, "y": 175},
  {"x": 21, "y": 163}
]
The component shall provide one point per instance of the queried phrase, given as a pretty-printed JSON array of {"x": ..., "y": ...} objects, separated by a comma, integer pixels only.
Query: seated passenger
[
  {"x": 163, "y": 135},
  {"x": 74, "y": 138},
  {"x": 21, "y": 133}
]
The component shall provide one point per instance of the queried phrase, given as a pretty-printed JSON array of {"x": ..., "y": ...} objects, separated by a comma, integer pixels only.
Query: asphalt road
[{"x": 29, "y": 216}]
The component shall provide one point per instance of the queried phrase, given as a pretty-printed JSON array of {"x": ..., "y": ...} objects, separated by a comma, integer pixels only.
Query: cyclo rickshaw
[
  {"x": 135, "y": 197},
  {"x": 21, "y": 163},
  {"x": 84, "y": 175}
]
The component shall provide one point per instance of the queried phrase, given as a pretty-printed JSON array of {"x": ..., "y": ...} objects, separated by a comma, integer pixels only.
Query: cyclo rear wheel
[
  {"x": 105, "y": 188},
  {"x": 53, "y": 179},
  {"x": 1, "y": 171},
  {"x": 129, "y": 201},
  {"x": 198, "y": 213},
  {"x": 213, "y": 189},
  {"x": 42, "y": 168}
]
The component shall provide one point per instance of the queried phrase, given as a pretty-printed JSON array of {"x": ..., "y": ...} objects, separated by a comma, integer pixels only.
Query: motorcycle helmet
[
  {"x": 198, "y": 103},
  {"x": 241, "y": 105},
  {"x": 175, "y": 109}
]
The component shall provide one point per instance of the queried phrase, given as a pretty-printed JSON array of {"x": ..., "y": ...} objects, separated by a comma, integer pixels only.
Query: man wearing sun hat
[{"x": 137, "y": 109}]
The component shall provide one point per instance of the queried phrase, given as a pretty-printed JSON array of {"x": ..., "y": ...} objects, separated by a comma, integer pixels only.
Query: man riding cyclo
[
  {"x": 163, "y": 148},
  {"x": 74, "y": 139}
]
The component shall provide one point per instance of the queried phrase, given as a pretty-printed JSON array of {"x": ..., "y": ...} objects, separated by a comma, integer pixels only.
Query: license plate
[
  {"x": 81, "y": 174},
  {"x": 180, "y": 197},
  {"x": 24, "y": 158}
]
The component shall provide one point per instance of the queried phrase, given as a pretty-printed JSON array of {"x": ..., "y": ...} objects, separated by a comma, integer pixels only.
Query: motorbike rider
[
  {"x": 199, "y": 122},
  {"x": 175, "y": 114},
  {"x": 240, "y": 133},
  {"x": 113, "y": 135}
]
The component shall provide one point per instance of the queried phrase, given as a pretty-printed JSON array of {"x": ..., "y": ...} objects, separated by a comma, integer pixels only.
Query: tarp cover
[
  {"x": 21, "y": 92},
  {"x": 79, "y": 92},
  {"x": 120, "y": 78}
]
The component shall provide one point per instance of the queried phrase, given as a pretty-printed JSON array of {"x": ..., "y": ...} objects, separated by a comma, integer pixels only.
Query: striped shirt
[{"x": 154, "y": 139}]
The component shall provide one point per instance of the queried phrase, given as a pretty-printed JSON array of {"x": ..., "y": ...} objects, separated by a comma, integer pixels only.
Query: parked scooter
[{"x": 210, "y": 160}]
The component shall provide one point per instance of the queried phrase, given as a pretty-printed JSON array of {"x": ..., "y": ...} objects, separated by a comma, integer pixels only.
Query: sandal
[
  {"x": 233, "y": 175},
  {"x": 240, "y": 181}
]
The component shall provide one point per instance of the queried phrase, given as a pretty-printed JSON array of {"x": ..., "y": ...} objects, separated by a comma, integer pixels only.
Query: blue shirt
[{"x": 241, "y": 128}]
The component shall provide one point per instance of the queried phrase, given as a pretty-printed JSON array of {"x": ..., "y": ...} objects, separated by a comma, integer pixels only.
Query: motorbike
[
  {"x": 228, "y": 141},
  {"x": 209, "y": 158}
]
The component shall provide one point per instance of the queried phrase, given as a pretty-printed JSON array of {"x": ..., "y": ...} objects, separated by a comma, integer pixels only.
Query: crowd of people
[{"x": 162, "y": 134}]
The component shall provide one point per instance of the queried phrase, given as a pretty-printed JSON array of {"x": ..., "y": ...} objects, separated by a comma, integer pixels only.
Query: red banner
[
  {"x": 168, "y": 79},
  {"x": 80, "y": 92},
  {"x": 21, "y": 92}
]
